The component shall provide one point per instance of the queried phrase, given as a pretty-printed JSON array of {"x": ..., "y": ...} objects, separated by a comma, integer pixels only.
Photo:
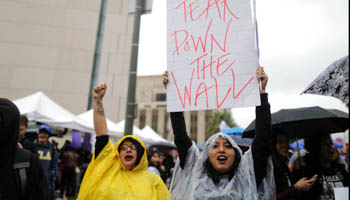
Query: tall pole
[
  {"x": 98, "y": 49},
  {"x": 130, "y": 113}
]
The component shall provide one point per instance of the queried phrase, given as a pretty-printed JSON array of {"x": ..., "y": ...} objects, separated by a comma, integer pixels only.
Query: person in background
[
  {"x": 48, "y": 157},
  {"x": 23, "y": 140},
  {"x": 163, "y": 172},
  {"x": 321, "y": 162},
  {"x": 153, "y": 162},
  {"x": 169, "y": 164},
  {"x": 69, "y": 162},
  {"x": 287, "y": 187},
  {"x": 21, "y": 173}
]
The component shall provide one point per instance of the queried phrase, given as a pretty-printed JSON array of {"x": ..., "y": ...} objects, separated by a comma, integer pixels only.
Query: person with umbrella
[
  {"x": 321, "y": 163},
  {"x": 221, "y": 171},
  {"x": 287, "y": 187},
  {"x": 309, "y": 122}
]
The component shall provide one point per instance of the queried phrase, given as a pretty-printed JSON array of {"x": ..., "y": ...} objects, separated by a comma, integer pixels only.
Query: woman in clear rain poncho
[
  {"x": 120, "y": 171},
  {"x": 221, "y": 171}
]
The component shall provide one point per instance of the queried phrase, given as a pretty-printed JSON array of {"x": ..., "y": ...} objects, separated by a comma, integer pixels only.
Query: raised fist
[{"x": 99, "y": 91}]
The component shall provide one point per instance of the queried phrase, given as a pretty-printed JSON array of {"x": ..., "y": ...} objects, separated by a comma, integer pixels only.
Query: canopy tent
[
  {"x": 148, "y": 132},
  {"x": 38, "y": 107}
]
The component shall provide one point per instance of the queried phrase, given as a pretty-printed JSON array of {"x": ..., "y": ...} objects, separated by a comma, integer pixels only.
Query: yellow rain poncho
[{"x": 107, "y": 179}]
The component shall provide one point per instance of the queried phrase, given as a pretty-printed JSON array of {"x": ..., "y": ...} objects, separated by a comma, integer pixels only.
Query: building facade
[
  {"x": 48, "y": 46},
  {"x": 151, "y": 100}
]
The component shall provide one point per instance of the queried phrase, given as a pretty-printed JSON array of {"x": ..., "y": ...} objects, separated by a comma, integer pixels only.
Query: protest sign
[
  {"x": 341, "y": 193},
  {"x": 212, "y": 55}
]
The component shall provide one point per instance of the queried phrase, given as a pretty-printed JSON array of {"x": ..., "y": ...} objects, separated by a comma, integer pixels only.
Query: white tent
[
  {"x": 113, "y": 128},
  {"x": 147, "y": 139},
  {"x": 38, "y": 107},
  {"x": 147, "y": 131}
]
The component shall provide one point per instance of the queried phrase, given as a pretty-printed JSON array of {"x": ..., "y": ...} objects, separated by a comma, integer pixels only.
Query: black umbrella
[
  {"x": 305, "y": 122},
  {"x": 163, "y": 145}
]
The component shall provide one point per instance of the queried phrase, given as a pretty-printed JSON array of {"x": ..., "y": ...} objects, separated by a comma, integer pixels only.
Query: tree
[{"x": 213, "y": 126}]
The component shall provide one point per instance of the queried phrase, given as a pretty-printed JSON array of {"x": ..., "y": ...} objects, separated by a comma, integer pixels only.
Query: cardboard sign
[{"x": 212, "y": 55}]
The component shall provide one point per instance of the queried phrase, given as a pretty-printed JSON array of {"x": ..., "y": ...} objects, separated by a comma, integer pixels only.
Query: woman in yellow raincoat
[{"x": 120, "y": 171}]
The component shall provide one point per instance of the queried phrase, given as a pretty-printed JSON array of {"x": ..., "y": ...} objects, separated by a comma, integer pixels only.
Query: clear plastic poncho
[{"x": 192, "y": 182}]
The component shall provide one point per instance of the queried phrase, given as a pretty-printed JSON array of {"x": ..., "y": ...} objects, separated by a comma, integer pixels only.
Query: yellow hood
[{"x": 106, "y": 178}]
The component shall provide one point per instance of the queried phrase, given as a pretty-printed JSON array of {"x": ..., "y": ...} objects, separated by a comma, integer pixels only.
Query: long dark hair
[
  {"x": 312, "y": 160},
  {"x": 281, "y": 171}
]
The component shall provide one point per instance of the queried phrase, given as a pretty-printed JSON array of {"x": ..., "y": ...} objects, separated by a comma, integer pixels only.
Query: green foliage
[{"x": 213, "y": 126}]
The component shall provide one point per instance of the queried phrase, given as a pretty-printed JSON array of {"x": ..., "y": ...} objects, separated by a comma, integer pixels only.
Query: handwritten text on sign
[{"x": 212, "y": 58}]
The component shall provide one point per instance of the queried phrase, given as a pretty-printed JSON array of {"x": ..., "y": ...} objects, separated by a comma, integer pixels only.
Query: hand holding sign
[
  {"x": 260, "y": 74},
  {"x": 165, "y": 79}
]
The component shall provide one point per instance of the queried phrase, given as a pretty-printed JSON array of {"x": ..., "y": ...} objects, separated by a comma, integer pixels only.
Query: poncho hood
[
  {"x": 143, "y": 164},
  {"x": 192, "y": 182},
  {"x": 107, "y": 179}
]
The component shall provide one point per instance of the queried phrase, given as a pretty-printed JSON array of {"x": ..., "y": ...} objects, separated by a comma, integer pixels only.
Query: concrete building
[
  {"x": 151, "y": 99},
  {"x": 48, "y": 46}
]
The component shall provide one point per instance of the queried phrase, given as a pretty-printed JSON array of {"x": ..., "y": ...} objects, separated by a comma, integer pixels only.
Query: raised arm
[
  {"x": 261, "y": 147},
  {"x": 100, "y": 123},
  {"x": 182, "y": 141}
]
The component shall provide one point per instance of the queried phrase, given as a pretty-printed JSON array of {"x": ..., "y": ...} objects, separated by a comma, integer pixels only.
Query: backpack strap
[{"x": 22, "y": 161}]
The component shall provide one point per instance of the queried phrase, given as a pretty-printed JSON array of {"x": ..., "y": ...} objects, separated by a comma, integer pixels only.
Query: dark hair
[
  {"x": 215, "y": 175},
  {"x": 139, "y": 149},
  {"x": 280, "y": 168},
  {"x": 149, "y": 157},
  {"x": 276, "y": 132},
  {"x": 23, "y": 120},
  {"x": 312, "y": 160}
]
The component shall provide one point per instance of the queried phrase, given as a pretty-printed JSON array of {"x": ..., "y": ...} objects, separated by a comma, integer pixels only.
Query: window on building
[
  {"x": 161, "y": 97},
  {"x": 142, "y": 119},
  {"x": 155, "y": 120},
  {"x": 166, "y": 117},
  {"x": 194, "y": 117},
  {"x": 194, "y": 133}
]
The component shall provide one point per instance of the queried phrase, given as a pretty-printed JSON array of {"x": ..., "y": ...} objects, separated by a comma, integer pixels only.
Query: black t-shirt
[{"x": 329, "y": 180}]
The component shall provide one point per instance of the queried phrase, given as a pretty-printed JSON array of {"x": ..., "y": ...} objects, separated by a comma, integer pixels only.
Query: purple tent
[
  {"x": 76, "y": 139},
  {"x": 86, "y": 144}
]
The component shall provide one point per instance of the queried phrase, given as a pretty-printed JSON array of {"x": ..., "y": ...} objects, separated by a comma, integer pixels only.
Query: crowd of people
[{"x": 33, "y": 168}]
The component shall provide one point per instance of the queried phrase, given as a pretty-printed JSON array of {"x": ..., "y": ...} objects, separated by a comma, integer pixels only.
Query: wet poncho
[
  {"x": 106, "y": 178},
  {"x": 192, "y": 182}
]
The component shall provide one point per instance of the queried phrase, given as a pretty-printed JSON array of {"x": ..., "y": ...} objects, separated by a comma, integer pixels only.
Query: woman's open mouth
[
  {"x": 222, "y": 159},
  {"x": 129, "y": 157}
]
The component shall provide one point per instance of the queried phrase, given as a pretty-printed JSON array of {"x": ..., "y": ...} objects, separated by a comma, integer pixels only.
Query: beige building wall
[
  {"x": 148, "y": 105},
  {"x": 48, "y": 46}
]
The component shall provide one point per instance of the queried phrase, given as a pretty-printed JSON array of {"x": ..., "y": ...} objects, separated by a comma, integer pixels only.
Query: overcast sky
[{"x": 298, "y": 39}]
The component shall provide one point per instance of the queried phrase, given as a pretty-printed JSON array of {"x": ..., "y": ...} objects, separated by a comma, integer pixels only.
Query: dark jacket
[
  {"x": 36, "y": 187},
  {"x": 335, "y": 175},
  {"x": 29, "y": 145},
  {"x": 69, "y": 160},
  {"x": 283, "y": 178},
  {"x": 261, "y": 146}
]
